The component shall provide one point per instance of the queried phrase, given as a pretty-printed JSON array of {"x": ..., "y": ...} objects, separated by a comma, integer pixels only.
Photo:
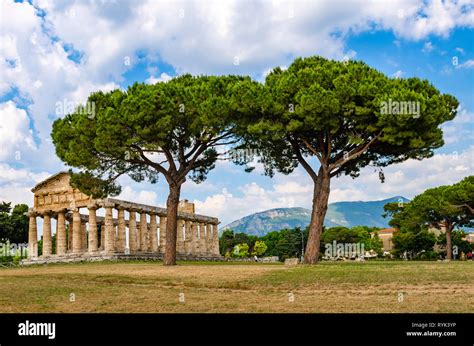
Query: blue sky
[{"x": 60, "y": 51}]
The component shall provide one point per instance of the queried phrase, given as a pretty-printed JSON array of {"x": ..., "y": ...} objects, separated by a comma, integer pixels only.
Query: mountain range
[{"x": 347, "y": 214}]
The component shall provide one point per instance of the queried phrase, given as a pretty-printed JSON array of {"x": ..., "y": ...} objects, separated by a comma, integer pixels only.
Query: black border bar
[{"x": 243, "y": 329}]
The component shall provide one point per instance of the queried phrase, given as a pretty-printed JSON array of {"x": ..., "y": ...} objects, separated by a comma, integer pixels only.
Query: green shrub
[{"x": 429, "y": 256}]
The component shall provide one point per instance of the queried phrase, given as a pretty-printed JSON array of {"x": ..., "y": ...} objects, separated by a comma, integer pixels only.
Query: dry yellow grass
[{"x": 211, "y": 287}]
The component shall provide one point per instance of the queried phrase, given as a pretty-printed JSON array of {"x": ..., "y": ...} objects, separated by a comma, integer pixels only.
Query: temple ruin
[{"x": 87, "y": 236}]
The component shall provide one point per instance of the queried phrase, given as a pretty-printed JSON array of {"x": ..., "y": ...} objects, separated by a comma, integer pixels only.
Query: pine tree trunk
[
  {"x": 320, "y": 207},
  {"x": 449, "y": 243},
  {"x": 171, "y": 225}
]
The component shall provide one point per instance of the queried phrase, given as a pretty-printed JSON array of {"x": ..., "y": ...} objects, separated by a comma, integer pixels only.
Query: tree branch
[
  {"x": 303, "y": 162},
  {"x": 312, "y": 149},
  {"x": 354, "y": 153},
  {"x": 155, "y": 165},
  {"x": 471, "y": 210},
  {"x": 190, "y": 164},
  {"x": 170, "y": 159}
]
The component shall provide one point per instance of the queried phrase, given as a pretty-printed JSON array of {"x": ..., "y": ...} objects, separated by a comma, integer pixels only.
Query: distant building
[
  {"x": 470, "y": 238},
  {"x": 386, "y": 236},
  {"x": 437, "y": 230}
]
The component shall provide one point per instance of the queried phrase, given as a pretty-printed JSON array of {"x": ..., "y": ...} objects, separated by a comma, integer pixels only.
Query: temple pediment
[
  {"x": 59, "y": 180},
  {"x": 56, "y": 193}
]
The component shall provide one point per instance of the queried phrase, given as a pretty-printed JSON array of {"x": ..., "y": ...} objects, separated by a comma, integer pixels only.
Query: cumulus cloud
[
  {"x": 16, "y": 184},
  {"x": 164, "y": 77},
  {"x": 141, "y": 196},
  {"x": 235, "y": 36},
  {"x": 251, "y": 199},
  {"x": 15, "y": 133},
  {"x": 460, "y": 128}
]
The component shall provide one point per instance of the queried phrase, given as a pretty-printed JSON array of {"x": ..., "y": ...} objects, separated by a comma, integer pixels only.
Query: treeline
[
  {"x": 13, "y": 232},
  {"x": 285, "y": 243},
  {"x": 425, "y": 245},
  {"x": 13, "y": 223},
  {"x": 290, "y": 243}
]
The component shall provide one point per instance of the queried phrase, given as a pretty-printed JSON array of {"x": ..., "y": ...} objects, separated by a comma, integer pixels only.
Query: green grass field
[{"x": 379, "y": 286}]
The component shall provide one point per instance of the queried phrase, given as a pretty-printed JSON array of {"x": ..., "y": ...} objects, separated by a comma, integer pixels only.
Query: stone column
[
  {"x": 84, "y": 236},
  {"x": 132, "y": 231},
  {"x": 121, "y": 237},
  {"x": 153, "y": 234},
  {"x": 102, "y": 236},
  {"x": 32, "y": 235},
  {"x": 180, "y": 237},
  {"x": 215, "y": 240},
  {"x": 61, "y": 244},
  {"x": 162, "y": 234},
  {"x": 76, "y": 231},
  {"x": 47, "y": 240},
  {"x": 202, "y": 239},
  {"x": 69, "y": 235},
  {"x": 115, "y": 236},
  {"x": 93, "y": 232},
  {"x": 209, "y": 230},
  {"x": 195, "y": 239},
  {"x": 188, "y": 242},
  {"x": 143, "y": 232},
  {"x": 109, "y": 229}
]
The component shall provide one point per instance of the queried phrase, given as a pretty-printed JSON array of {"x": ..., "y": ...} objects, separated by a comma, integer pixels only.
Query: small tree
[
  {"x": 413, "y": 243},
  {"x": 170, "y": 129},
  {"x": 346, "y": 116},
  {"x": 375, "y": 243},
  {"x": 285, "y": 243},
  {"x": 259, "y": 248},
  {"x": 458, "y": 241},
  {"x": 226, "y": 241},
  {"x": 241, "y": 250},
  {"x": 446, "y": 207}
]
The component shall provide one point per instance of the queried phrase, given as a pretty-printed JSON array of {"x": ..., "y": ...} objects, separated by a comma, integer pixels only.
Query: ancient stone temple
[{"x": 128, "y": 230}]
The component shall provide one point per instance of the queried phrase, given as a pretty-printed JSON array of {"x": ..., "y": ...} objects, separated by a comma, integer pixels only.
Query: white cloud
[
  {"x": 254, "y": 198},
  {"x": 16, "y": 184},
  {"x": 398, "y": 74},
  {"x": 203, "y": 37},
  {"x": 164, "y": 77},
  {"x": 427, "y": 47},
  {"x": 460, "y": 128},
  {"x": 15, "y": 134},
  {"x": 142, "y": 196},
  {"x": 466, "y": 64},
  {"x": 9, "y": 174}
]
